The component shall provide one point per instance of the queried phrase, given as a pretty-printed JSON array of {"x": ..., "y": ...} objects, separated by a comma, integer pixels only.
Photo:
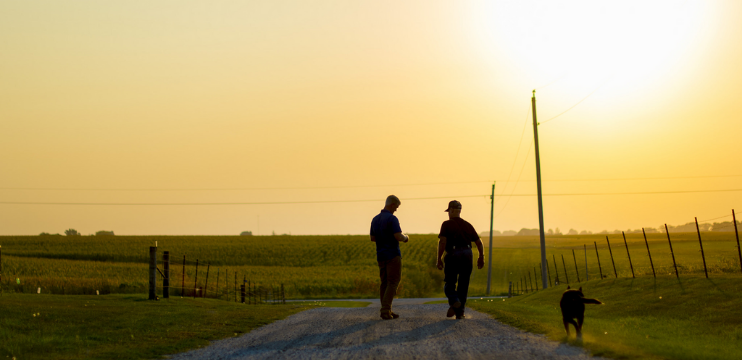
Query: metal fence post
[
  {"x": 702, "y": 255},
  {"x": 648, "y": 252},
  {"x": 556, "y": 270},
  {"x": 576, "y": 270},
  {"x": 195, "y": 282},
  {"x": 152, "y": 272},
  {"x": 206, "y": 287},
  {"x": 182, "y": 285},
  {"x": 734, "y": 220},
  {"x": 611, "y": 252},
  {"x": 166, "y": 280},
  {"x": 598, "y": 256},
  {"x": 627, "y": 253},
  {"x": 564, "y": 266},
  {"x": 667, "y": 231}
]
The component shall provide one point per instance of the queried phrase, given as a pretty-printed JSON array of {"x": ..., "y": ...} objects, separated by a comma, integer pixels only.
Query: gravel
[{"x": 422, "y": 332}]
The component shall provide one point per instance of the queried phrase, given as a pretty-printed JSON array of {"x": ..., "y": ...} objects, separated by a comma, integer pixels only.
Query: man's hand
[
  {"x": 480, "y": 262},
  {"x": 406, "y": 238},
  {"x": 439, "y": 264}
]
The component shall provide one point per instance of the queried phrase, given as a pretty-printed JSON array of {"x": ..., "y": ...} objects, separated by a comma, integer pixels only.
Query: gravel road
[{"x": 422, "y": 332}]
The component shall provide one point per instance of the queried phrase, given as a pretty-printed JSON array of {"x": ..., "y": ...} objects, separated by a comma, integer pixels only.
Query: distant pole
[
  {"x": 576, "y": 271},
  {"x": 166, "y": 280},
  {"x": 667, "y": 231},
  {"x": 152, "y": 272},
  {"x": 702, "y": 255},
  {"x": 734, "y": 220},
  {"x": 587, "y": 277},
  {"x": 598, "y": 256},
  {"x": 611, "y": 252},
  {"x": 492, "y": 219},
  {"x": 629, "y": 255},
  {"x": 648, "y": 252},
  {"x": 538, "y": 186}
]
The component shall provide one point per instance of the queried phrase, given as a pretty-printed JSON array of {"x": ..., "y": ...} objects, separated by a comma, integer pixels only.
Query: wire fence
[{"x": 617, "y": 257}]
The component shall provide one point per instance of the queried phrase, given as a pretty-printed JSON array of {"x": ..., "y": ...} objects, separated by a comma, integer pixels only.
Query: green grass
[
  {"x": 690, "y": 318},
  {"x": 122, "y": 326}
]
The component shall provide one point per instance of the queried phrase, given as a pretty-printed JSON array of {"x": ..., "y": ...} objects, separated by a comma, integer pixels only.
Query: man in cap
[
  {"x": 387, "y": 234},
  {"x": 455, "y": 239}
]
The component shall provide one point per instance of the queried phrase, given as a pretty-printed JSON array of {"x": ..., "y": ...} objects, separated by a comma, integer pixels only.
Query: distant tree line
[{"x": 725, "y": 226}]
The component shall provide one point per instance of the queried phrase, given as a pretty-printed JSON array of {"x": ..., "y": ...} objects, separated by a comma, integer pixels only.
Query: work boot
[
  {"x": 394, "y": 315},
  {"x": 459, "y": 317},
  {"x": 388, "y": 316},
  {"x": 451, "y": 312}
]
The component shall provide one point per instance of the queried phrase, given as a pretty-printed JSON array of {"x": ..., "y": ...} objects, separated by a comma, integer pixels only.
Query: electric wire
[{"x": 579, "y": 102}]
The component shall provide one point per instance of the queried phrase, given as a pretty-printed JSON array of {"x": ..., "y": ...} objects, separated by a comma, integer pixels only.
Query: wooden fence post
[
  {"x": 195, "y": 282},
  {"x": 611, "y": 252},
  {"x": 627, "y": 253},
  {"x": 152, "y": 272},
  {"x": 556, "y": 270},
  {"x": 576, "y": 271},
  {"x": 648, "y": 252},
  {"x": 734, "y": 220},
  {"x": 206, "y": 288},
  {"x": 166, "y": 280},
  {"x": 598, "y": 256},
  {"x": 702, "y": 255},
  {"x": 667, "y": 231},
  {"x": 564, "y": 266}
]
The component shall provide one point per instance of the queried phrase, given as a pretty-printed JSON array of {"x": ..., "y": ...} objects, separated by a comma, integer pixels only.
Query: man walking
[
  {"x": 455, "y": 239},
  {"x": 386, "y": 233}
]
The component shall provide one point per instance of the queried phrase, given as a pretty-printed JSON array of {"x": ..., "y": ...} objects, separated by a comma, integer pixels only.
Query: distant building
[
  {"x": 246, "y": 233},
  {"x": 104, "y": 233}
]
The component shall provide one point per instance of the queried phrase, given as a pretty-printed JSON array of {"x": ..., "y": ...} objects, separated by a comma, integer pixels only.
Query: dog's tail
[{"x": 591, "y": 301}]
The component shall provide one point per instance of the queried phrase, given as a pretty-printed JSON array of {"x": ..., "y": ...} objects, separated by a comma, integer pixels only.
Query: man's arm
[
  {"x": 373, "y": 238},
  {"x": 441, "y": 249},
  {"x": 401, "y": 237},
  {"x": 480, "y": 247}
]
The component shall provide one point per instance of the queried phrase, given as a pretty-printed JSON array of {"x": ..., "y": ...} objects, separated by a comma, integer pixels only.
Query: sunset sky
[{"x": 170, "y": 102}]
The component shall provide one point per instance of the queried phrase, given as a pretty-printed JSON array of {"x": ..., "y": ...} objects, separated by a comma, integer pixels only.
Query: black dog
[{"x": 573, "y": 307}]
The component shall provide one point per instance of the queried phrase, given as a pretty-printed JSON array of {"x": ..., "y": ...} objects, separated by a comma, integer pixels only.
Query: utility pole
[
  {"x": 489, "y": 261},
  {"x": 540, "y": 203}
]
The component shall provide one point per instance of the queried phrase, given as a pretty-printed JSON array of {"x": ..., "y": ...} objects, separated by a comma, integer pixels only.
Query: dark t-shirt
[
  {"x": 459, "y": 234},
  {"x": 383, "y": 228}
]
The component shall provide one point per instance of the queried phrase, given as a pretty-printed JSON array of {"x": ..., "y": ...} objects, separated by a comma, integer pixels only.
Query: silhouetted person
[
  {"x": 455, "y": 239},
  {"x": 386, "y": 233}
]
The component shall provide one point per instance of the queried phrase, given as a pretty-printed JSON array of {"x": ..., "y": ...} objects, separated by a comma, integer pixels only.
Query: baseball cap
[{"x": 454, "y": 204}]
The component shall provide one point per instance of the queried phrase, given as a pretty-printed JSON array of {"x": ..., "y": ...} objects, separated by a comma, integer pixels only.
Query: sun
[{"x": 579, "y": 44}]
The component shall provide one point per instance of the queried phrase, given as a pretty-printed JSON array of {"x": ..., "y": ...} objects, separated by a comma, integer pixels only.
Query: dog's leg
[
  {"x": 578, "y": 326},
  {"x": 566, "y": 325}
]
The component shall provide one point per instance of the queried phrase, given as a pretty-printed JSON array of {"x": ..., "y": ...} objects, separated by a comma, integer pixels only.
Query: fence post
[
  {"x": 530, "y": 280},
  {"x": 667, "y": 231},
  {"x": 182, "y": 285},
  {"x": 235, "y": 286},
  {"x": 611, "y": 252},
  {"x": 166, "y": 280},
  {"x": 242, "y": 293},
  {"x": 548, "y": 272},
  {"x": 535, "y": 276},
  {"x": 587, "y": 274},
  {"x": 206, "y": 288},
  {"x": 556, "y": 270},
  {"x": 152, "y": 272},
  {"x": 195, "y": 282},
  {"x": 576, "y": 271},
  {"x": 702, "y": 255},
  {"x": 734, "y": 220},
  {"x": 564, "y": 266},
  {"x": 648, "y": 252},
  {"x": 627, "y": 253},
  {"x": 600, "y": 268},
  {"x": 510, "y": 289}
]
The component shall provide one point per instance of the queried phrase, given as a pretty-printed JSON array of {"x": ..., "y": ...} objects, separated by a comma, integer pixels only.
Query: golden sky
[{"x": 297, "y": 101}]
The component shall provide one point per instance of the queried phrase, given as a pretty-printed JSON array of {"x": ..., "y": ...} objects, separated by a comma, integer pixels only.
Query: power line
[
  {"x": 364, "y": 200},
  {"x": 579, "y": 102},
  {"x": 362, "y": 186}
]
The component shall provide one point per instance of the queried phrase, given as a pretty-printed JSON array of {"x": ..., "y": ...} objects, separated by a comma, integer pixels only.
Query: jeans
[
  {"x": 458, "y": 267},
  {"x": 390, "y": 272}
]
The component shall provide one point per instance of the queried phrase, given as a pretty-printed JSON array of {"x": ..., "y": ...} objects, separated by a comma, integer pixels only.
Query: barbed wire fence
[{"x": 525, "y": 283}]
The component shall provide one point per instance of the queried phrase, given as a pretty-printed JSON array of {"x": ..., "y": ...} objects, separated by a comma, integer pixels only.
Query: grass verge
[
  {"x": 122, "y": 326},
  {"x": 664, "y": 318}
]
